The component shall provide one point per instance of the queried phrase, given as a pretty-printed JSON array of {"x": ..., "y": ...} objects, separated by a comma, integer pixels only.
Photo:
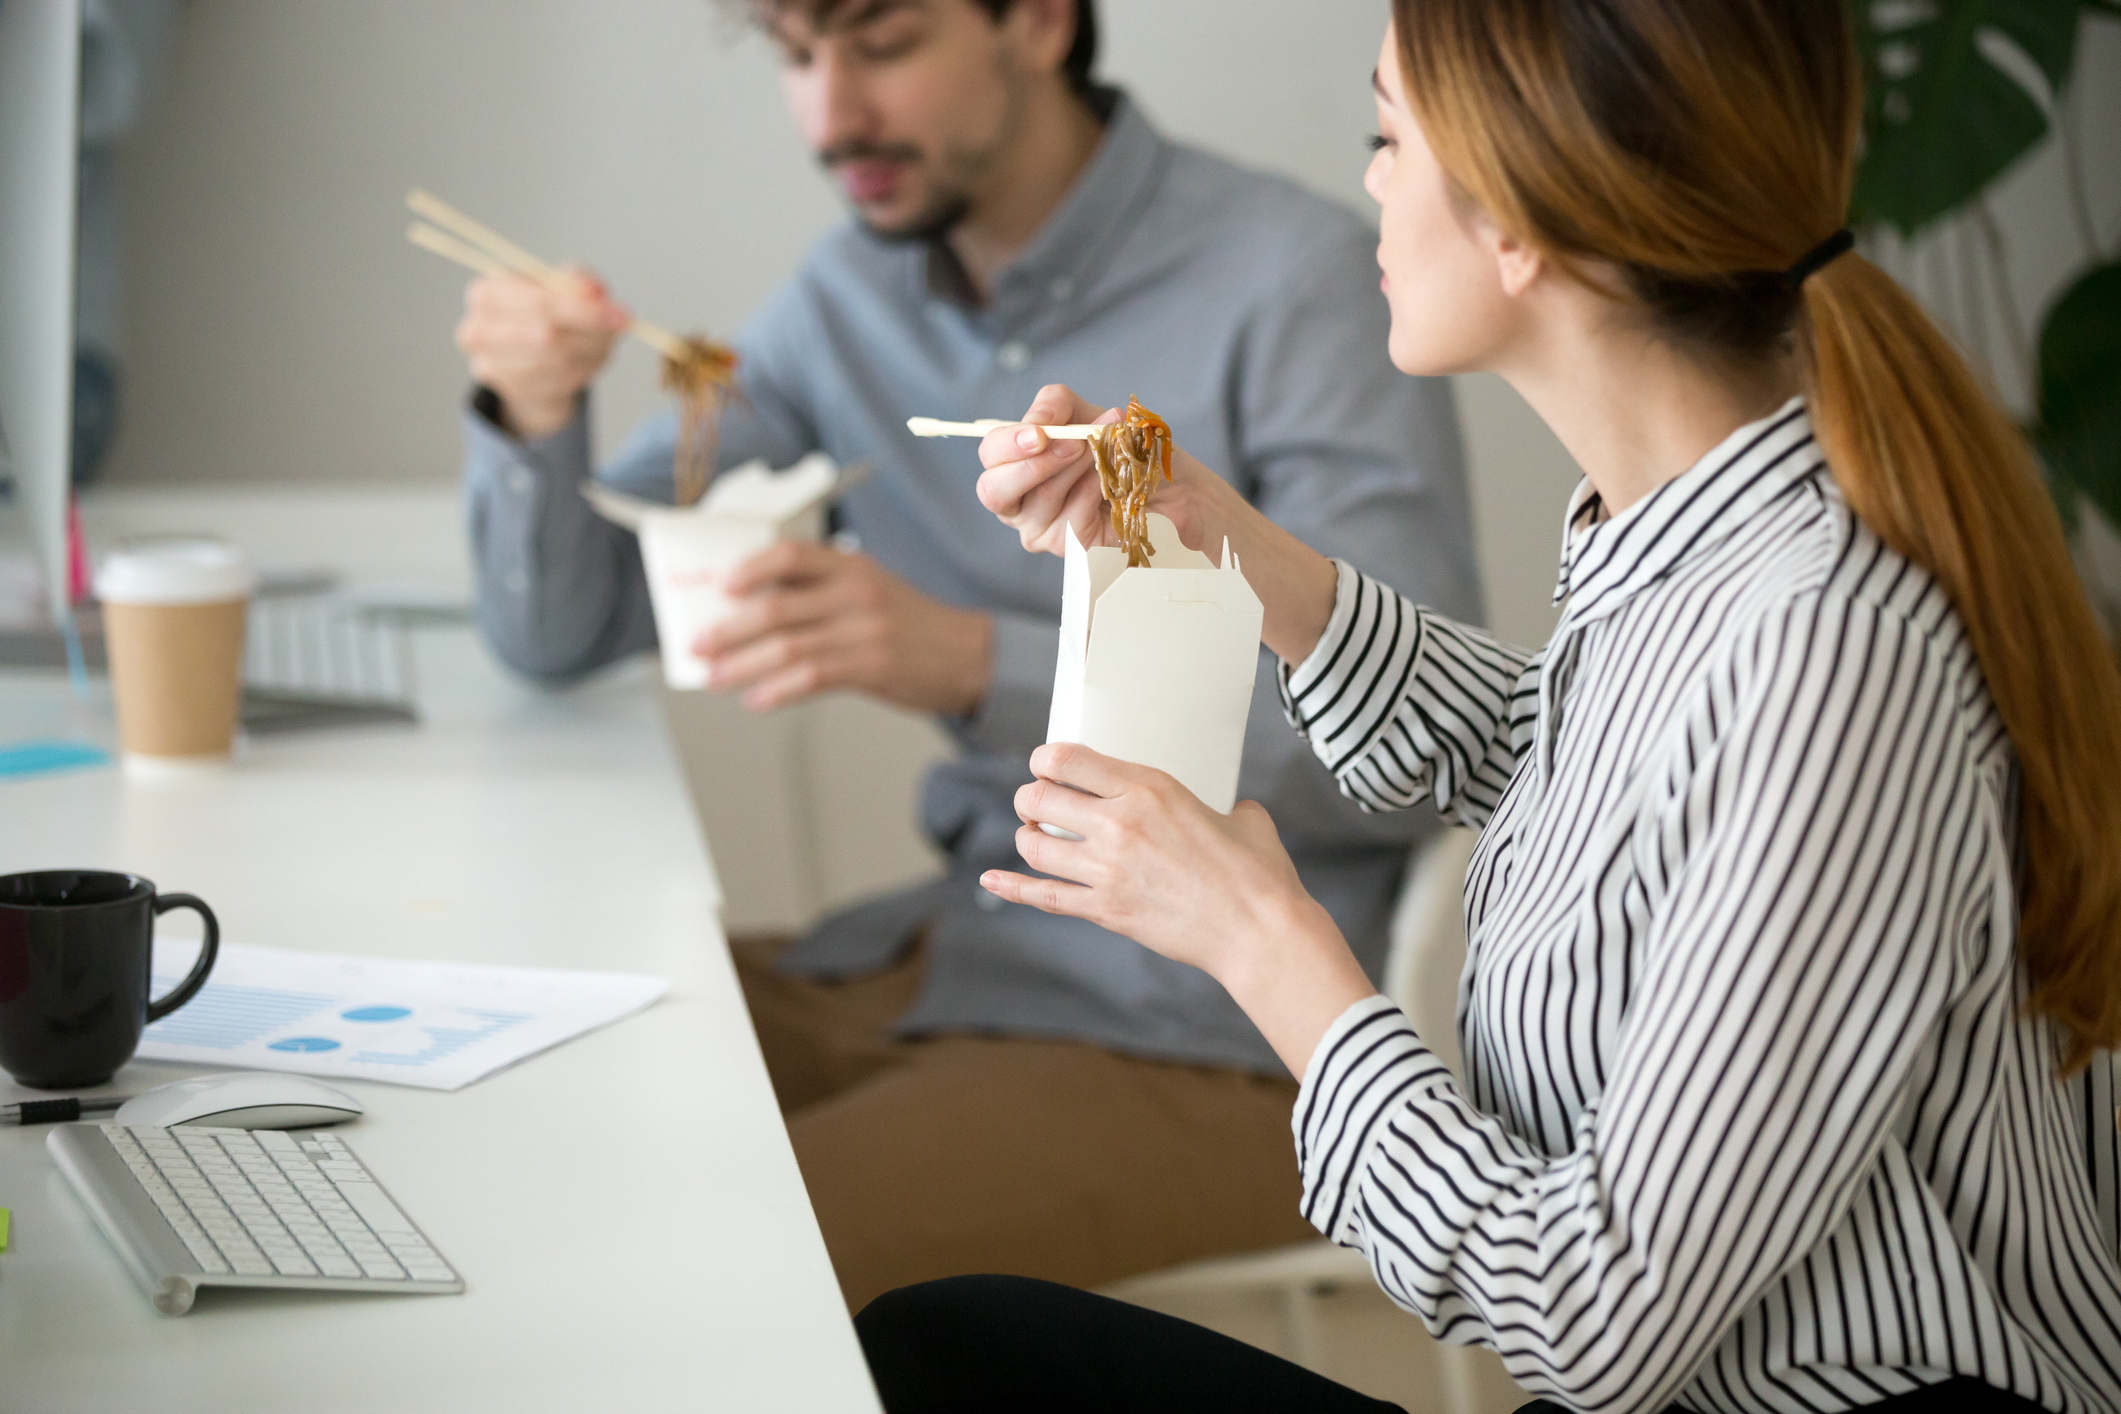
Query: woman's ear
[{"x": 1518, "y": 264}]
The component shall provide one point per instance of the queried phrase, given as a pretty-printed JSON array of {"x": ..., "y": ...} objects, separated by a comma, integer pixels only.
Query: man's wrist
[
  {"x": 531, "y": 420},
  {"x": 975, "y": 675}
]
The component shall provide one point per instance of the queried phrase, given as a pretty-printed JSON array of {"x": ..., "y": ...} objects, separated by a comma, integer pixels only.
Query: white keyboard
[{"x": 194, "y": 1206}]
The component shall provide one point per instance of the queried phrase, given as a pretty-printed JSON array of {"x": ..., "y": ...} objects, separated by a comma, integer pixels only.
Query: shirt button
[
  {"x": 519, "y": 480},
  {"x": 1013, "y": 357}
]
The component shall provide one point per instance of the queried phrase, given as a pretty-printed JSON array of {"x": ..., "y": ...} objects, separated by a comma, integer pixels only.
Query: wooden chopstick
[
  {"x": 1064, "y": 432},
  {"x": 489, "y": 252},
  {"x": 450, "y": 248}
]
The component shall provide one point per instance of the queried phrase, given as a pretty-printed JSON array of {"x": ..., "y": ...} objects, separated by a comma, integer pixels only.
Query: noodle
[
  {"x": 704, "y": 380},
  {"x": 1128, "y": 454}
]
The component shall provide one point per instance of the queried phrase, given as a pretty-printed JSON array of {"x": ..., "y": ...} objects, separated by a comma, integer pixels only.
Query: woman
[{"x": 1792, "y": 973}]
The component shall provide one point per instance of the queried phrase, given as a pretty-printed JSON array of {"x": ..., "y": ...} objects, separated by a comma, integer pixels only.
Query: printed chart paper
[{"x": 435, "y": 1025}]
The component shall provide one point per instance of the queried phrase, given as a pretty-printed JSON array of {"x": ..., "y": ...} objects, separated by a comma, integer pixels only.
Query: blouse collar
[{"x": 1606, "y": 561}]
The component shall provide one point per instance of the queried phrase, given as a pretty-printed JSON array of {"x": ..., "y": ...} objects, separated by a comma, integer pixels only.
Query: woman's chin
[{"x": 1415, "y": 360}]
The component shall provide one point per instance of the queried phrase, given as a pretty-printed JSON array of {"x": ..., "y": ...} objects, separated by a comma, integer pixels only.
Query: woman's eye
[{"x": 1377, "y": 142}]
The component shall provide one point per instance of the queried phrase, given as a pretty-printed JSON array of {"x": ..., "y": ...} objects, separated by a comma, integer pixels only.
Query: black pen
[{"x": 58, "y": 1111}]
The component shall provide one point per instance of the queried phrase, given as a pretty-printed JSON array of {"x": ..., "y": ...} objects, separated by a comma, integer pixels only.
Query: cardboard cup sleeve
[{"x": 173, "y": 622}]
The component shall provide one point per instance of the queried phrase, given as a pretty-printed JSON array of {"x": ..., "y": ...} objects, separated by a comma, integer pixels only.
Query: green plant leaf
[
  {"x": 1941, "y": 119},
  {"x": 2080, "y": 387}
]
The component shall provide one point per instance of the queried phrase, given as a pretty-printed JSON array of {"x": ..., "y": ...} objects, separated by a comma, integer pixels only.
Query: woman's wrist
[
  {"x": 1295, "y": 583},
  {"x": 1294, "y": 977}
]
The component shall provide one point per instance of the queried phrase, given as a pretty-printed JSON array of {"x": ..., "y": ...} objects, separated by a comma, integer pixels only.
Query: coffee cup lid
[{"x": 175, "y": 572}]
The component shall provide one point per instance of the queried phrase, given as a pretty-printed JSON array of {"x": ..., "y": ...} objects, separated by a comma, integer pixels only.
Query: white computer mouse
[{"x": 243, "y": 1099}]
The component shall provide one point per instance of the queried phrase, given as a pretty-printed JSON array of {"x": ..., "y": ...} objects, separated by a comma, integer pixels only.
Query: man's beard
[{"x": 962, "y": 169}]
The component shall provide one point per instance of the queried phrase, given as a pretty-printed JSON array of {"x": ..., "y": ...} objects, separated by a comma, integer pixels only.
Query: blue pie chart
[
  {"x": 377, "y": 1013},
  {"x": 304, "y": 1043}
]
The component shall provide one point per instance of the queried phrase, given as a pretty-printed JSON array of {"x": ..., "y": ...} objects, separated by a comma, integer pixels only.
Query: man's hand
[
  {"x": 811, "y": 619},
  {"x": 538, "y": 348}
]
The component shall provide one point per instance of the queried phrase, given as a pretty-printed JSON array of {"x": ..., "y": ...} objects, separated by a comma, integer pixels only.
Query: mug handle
[{"x": 187, "y": 989}]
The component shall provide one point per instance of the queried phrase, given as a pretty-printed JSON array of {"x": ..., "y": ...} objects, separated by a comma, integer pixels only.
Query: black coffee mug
[{"x": 76, "y": 946}]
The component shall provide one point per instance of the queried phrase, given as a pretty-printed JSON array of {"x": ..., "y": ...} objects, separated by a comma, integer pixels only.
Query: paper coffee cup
[{"x": 173, "y": 617}]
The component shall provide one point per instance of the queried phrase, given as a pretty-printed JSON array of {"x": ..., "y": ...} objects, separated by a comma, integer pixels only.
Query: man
[{"x": 968, "y": 1086}]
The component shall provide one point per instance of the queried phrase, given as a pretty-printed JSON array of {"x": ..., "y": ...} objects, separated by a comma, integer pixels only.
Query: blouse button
[{"x": 1013, "y": 357}]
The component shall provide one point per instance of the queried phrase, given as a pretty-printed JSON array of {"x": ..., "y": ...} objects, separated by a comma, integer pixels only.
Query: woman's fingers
[
  {"x": 1012, "y": 473},
  {"x": 1073, "y": 764},
  {"x": 1058, "y": 405},
  {"x": 1045, "y": 895},
  {"x": 1047, "y": 803}
]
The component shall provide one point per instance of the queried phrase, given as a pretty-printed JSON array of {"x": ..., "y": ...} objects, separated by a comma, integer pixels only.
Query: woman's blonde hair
[{"x": 1701, "y": 148}]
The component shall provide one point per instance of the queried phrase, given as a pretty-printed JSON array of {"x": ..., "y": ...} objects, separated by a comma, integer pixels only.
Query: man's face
[{"x": 911, "y": 104}]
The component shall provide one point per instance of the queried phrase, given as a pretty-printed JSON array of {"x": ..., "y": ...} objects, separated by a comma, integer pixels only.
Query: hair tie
[{"x": 1825, "y": 253}]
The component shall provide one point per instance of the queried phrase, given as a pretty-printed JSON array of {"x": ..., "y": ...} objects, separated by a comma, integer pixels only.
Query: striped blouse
[{"x": 1752, "y": 1118}]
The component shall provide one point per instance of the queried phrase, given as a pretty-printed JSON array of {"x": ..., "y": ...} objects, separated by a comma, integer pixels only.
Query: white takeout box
[
  {"x": 686, "y": 550},
  {"x": 1157, "y": 664}
]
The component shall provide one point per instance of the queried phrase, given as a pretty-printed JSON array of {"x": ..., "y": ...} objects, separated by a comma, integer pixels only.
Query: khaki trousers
[{"x": 953, "y": 1155}]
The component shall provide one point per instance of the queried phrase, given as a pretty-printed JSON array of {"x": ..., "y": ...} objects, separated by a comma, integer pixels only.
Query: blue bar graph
[
  {"x": 224, "y": 1016},
  {"x": 445, "y": 1039}
]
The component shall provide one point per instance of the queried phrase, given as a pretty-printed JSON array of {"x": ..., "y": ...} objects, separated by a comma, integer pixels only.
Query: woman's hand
[
  {"x": 1218, "y": 892},
  {"x": 1039, "y": 487}
]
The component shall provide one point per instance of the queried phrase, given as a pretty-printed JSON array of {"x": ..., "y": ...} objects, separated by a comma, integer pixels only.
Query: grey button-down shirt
[{"x": 1242, "y": 309}]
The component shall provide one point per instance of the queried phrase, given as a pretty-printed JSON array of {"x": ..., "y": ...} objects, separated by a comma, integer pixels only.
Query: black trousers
[{"x": 975, "y": 1345}]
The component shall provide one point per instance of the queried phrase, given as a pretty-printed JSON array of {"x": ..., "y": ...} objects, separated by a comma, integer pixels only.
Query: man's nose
[{"x": 838, "y": 100}]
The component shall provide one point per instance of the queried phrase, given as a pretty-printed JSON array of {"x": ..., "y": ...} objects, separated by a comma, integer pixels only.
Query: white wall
[{"x": 281, "y": 329}]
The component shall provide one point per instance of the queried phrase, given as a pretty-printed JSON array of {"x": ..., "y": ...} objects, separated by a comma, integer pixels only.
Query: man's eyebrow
[{"x": 865, "y": 11}]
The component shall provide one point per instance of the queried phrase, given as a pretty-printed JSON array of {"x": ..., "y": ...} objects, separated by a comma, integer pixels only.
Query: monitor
[{"x": 40, "y": 66}]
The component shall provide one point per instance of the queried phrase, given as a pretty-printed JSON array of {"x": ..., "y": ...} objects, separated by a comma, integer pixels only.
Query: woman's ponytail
[
  {"x": 1702, "y": 148},
  {"x": 1934, "y": 468}
]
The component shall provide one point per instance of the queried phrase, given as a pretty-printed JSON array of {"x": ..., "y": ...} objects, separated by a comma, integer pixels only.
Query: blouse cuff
[
  {"x": 1364, "y": 1069},
  {"x": 1295, "y": 681}
]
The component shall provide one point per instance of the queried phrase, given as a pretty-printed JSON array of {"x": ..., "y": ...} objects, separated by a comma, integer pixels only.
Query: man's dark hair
[{"x": 1082, "y": 56}]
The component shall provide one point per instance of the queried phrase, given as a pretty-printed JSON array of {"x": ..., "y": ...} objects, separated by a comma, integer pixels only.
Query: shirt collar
[
  {"x": 1105, "y": 202},
  {"x": 1605, "y": 561}
]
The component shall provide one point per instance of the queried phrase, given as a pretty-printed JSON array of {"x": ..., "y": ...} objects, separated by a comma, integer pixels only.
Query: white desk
[{"x": 626, "y": 1210}]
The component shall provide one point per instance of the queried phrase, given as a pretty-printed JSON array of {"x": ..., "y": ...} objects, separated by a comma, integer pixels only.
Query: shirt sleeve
[
  {"x": 1830, "y": 876},
  {"x": 559, "y": 589},
  {"x": 1011, "y": 719},
  {"x": 1403, "y": 704}
]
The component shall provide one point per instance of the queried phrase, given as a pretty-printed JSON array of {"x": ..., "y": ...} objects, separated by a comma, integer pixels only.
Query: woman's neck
[{"x": 1633, "y": 411}]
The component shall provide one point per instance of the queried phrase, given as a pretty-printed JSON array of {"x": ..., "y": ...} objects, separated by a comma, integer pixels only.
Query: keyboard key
[
  {"x": 382, "y": 1268},
  {"x": 429, "y": 1271},
  {"x": 207, "y": 1255},
  {"x": 375, "y": 1207}
]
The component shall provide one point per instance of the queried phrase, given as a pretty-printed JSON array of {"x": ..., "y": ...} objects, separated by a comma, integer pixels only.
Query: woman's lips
[{"x": 869, "y": 182}]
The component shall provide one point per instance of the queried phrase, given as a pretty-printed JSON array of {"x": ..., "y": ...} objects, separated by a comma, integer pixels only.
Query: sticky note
[
  {"x": 35, "y": 758},
  {"x": 3, "y": 1229}
]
